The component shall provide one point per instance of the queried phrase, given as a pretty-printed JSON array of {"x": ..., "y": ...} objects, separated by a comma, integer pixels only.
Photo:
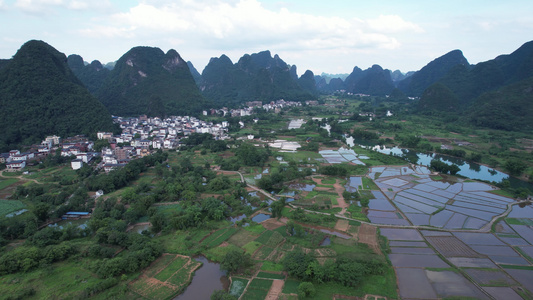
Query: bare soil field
[{"x": 368, "y": 235}]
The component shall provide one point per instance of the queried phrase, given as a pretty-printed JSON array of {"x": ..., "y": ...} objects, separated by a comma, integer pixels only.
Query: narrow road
[
  {"x": 18, "y": 177},
  {"x": 483, "y": 229}
]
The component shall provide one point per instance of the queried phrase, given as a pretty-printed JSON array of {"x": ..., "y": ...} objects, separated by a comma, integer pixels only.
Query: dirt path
[
  {"x": 275, "y": 289},
  {"x": 368, "y": 235},
  {"x": 339, "y": 189},
  {"x": 18, "y": 177}
]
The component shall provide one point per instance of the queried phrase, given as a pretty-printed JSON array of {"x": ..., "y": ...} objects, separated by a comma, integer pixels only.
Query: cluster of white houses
[
  {"x": 139, "y": 136},
  {"x": 276, "y": 106}
]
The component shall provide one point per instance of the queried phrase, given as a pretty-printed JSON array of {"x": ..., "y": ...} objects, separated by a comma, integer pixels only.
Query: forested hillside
[
  {"x": 258, "y": 76},
  {"x": 39, "y": 96},
  {"x": 145, "y": 80}
]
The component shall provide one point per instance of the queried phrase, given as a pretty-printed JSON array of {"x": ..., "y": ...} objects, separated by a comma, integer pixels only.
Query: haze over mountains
[{"x": 41, "y": 91}]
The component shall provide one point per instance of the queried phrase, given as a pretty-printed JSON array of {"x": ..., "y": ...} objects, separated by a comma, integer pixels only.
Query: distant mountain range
[
  {"x": 42, "y": 92},
  {"x": 258, "y": 76}
]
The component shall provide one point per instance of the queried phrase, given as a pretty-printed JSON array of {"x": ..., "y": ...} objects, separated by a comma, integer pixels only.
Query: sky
[{"x": 330, "y": 36}]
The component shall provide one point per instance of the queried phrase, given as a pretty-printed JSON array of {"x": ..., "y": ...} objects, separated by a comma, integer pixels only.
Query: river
[
  {"x": 207, "y": 279},
  {"x": 467, "y": 169}
]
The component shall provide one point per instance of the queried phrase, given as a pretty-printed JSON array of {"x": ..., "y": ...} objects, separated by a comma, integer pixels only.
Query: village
[{"x": 140, "y": 136}]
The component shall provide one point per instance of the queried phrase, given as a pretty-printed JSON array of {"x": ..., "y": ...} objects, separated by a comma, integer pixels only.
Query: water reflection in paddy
[{"x": 302, "y": 186}]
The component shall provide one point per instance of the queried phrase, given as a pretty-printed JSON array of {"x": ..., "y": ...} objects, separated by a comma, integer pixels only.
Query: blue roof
[{"x": 77, "y": 213}]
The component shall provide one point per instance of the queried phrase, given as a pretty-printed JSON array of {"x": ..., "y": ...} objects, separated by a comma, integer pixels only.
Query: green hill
[
  {"x": 438, "y": 97},
  {"x": 509, "y": 108},
  {"x": 258, "y": 76},
  {"x": 92, "y": 75},
  {"x": 146, "y": 76},
  {"x": 372, "y": 81},
  {"x": 39, "y": 96},
  {"x": 416, "y": 84},
  {"x": 470, "y": 83}
]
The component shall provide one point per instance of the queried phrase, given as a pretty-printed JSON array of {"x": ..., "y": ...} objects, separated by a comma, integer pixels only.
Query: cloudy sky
[{"x": 323, "y": 36}]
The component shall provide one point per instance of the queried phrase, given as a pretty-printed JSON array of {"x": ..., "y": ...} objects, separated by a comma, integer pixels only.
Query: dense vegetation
[
  {"x": 40, "y": 96},
  {"x": 92, "y": 75},
  {"x": 147, "y": 81},
  {"x": 254, "y": 77}
]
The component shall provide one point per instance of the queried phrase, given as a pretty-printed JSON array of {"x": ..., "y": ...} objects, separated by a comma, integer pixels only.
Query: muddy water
[{"x": 207, "y": 279}]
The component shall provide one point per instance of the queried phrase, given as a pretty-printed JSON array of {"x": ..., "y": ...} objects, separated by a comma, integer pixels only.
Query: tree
[
  {"x": 222, "y": 295},
  {"x": 277, "y": 207},
  {"x": 515, "y": 166},
  {"x": 235, "y": 260},
  {"x": 306, "y": 290}
]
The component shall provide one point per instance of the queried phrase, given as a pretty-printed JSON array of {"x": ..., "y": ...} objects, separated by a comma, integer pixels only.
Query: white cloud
[
  {"x": 392, "y": 24},
  {"x": 226, "y": 25},
  {"x": 45, "y": 7}
]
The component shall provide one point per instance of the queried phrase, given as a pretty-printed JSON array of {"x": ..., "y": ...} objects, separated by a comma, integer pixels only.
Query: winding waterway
[{"x": 467, "y": 169}]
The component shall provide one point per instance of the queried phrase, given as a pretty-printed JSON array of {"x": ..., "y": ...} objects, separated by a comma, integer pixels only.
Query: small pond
[
  {"x": 260, "y": 218},
  {"x": 207, "y": 279},
  {"x": 326, "y": 242}
]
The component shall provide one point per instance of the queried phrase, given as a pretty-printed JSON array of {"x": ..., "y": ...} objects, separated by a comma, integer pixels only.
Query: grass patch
[
  {"x": 356, "y": 213},
  {"x": 271, "y": 266},
  {"x": 275, "y": 239},
  {"x": 503, "y": 193},
  {"x": 183, "y": 276},
  {"x": 256, "y": 228},
  {"x": 218, "y": 253},
  {"x": 7, "y": 182},
  {"x": 523, "y": 253},
  {"x": 517, "y": 267},
  {"x": 170, "y": 269},
  {"x": 261, "y": 284},
  {"x": 436, "y": 178},
  {"x": 282, "y": 230},
  {"x": 515, "y": 221},
  {"x": 368, "y": 184},
  {"x": 263, "y": 239},
  {"x": 9, "y": 206},
  {"x": 251, "y": 247},
  {"x": 329, "y": 180},
  {"x": 257, "y": 289},
  {"x": 242, "y": 237},
  {"x": 158, "y": 265},
  {"x": 270, "y": 275},
  {"x": 218, "y": 237},
  {"x": 291, "y": 286},
  {"x": 263, "y": 253}
]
